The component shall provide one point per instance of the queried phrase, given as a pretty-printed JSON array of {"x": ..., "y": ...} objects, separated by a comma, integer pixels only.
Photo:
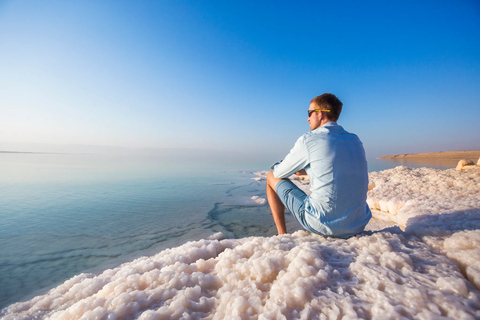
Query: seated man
[{"x": 334, "y": 160}]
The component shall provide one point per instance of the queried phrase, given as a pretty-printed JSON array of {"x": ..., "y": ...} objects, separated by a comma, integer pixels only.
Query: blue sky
[{"x": 239, "y": 75}]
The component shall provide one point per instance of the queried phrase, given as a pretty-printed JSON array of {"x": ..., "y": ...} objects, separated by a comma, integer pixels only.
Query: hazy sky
[{"x": 239, "y": 75}]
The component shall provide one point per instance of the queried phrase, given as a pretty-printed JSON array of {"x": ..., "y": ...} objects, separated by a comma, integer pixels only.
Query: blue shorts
[{"x": 294, "y": 199}]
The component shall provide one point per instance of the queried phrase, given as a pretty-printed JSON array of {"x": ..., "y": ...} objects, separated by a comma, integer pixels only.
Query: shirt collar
[{"x": 330, "y": 124}]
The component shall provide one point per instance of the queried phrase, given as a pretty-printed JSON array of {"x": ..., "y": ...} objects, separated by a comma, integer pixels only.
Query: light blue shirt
[{"x": 335, "y": 162}]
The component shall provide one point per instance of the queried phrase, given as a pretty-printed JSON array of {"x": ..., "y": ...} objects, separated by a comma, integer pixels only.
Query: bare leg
[{"x": 276, "y": 205}]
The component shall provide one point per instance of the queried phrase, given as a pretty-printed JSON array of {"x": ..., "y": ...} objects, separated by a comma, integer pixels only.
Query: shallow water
[{"x": 61, "y": 215}]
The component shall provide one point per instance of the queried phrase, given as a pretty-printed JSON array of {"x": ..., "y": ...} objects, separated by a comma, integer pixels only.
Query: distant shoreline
[
  {"x": 28, "y": 152},
  {"x": 445, "y": 155},
  {"x": 443, "y": 159},
  {"x": 31, "y": 152}
]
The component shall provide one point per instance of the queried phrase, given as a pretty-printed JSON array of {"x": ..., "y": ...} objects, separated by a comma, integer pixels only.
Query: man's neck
[{"x": 323, "y": 122}]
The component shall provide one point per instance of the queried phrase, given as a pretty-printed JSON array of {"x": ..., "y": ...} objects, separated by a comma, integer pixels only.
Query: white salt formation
[
  {"x": 298, "y": 276},
  {"x": 430, "y": 271},
  {"x": 403, "y": 193},
  {"x": 259, "y": 200},
  {"x": 467, "y": 164},
  {"x": 463, "y": 247}
]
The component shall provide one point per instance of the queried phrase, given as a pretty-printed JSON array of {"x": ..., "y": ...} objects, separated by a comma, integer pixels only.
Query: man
[{"x": 334, "y": 160}]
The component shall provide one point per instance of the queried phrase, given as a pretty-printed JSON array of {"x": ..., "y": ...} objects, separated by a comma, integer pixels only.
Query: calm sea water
[{"x": 64, "y": 214}]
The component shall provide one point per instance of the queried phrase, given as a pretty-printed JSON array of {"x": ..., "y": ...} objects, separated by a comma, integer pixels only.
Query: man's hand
[{"x": 301, "y": 172}]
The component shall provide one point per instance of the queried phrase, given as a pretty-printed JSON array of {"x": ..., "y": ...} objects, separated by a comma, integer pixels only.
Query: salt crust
[
  {"x": 429, "y": 271},
  {"x": 405, "y": 193},
  {"x": 298, "y": 276},
  {"x": 259, "y": 200}
]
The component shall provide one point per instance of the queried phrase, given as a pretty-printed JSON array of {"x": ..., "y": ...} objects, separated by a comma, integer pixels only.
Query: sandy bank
[
  {"x": 446, "y": 155},
  {"x": 444, "y": 158}
]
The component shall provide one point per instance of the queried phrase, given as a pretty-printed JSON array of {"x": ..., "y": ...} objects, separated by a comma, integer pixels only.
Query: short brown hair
[{"x": 331, "y": 102}]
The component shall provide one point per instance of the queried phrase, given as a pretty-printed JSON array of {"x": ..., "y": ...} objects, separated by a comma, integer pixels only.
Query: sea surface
[{"x": 66, "y": 214}]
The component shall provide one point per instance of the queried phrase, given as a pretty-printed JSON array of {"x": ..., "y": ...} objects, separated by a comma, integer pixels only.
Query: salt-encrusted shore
[{"x": 425, "y": 264}]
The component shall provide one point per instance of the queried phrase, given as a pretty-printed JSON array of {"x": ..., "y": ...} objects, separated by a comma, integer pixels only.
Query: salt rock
[
  {"x": 259, "y": 200},
  {"x": 463, "y": 163},
  {"x": 403, "y": 193}
]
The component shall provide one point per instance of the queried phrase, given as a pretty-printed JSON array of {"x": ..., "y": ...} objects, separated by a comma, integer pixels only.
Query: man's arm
[{"x": 295, "y": 161}]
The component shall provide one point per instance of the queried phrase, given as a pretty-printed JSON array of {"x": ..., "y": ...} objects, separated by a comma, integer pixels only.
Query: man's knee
[
  {"x": 271, "y": 180},
  {"x": 270, "y": 176}
]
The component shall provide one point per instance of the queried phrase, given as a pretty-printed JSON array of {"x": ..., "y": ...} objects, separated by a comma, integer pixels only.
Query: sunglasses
[{"x": 315, "y": 110}]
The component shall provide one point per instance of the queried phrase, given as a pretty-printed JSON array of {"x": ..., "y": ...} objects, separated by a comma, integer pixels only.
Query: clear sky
[{"x": 239, "y": 75}]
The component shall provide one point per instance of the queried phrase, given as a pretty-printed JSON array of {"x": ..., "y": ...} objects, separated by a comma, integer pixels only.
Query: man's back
[{"x": 339, "y": 181}]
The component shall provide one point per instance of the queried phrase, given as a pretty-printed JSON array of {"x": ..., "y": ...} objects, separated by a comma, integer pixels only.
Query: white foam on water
[{"x": 429, "y": 271}]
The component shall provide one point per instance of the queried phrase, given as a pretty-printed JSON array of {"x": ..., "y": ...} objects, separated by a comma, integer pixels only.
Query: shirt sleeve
[{"x": 296, "y": 160}]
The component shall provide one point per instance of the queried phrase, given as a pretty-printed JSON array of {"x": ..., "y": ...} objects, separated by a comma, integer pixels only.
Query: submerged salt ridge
[{"x": 429, "y": 270}]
